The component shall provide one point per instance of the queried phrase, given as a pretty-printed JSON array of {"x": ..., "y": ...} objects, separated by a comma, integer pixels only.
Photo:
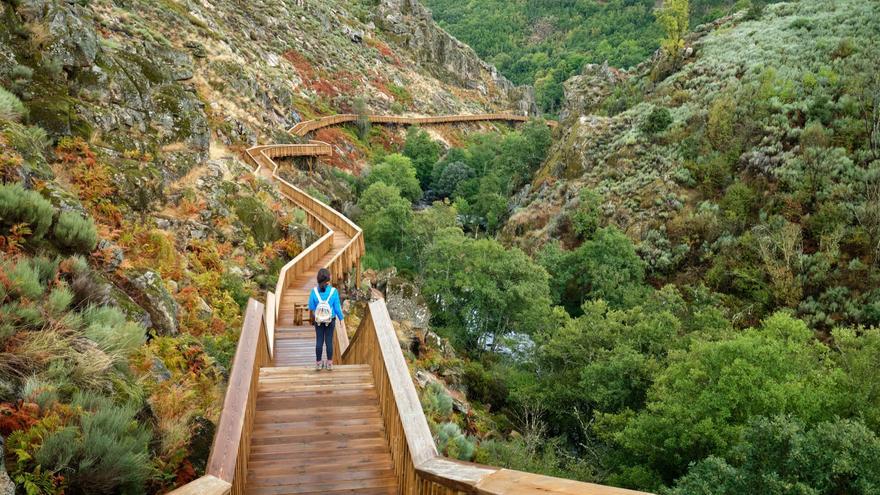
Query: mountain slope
[{"x": 750, "y": 165}]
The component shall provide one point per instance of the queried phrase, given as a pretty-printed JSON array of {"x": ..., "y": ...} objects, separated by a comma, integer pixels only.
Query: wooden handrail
[
  {"x": 307, "y": 126},
  {"x": 228, "y": 459}
]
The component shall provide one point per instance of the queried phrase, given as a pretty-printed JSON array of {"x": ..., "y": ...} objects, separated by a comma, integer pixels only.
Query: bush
[
  {"x": 108, "y": 453},
  {"x": 76, "y": 232},
  {"x": 20, "y": 206},
  {"x": 30, "y": 141},
  {"x": 11, "y": 107},
  {"x": 657, "y": 121},
  {"x": 453, "y": 443},
  {"x": 436, "y": 402}
]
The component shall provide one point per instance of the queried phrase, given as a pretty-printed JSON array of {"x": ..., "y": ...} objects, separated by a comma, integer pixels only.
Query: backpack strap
[{"x": 329, "y": 294}]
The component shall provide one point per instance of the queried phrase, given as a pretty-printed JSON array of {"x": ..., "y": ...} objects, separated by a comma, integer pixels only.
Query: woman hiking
[{"x": 324, "y": 308}]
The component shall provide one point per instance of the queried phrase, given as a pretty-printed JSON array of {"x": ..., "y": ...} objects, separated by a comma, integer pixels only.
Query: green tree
[
  {"x": 398, "y": 171},
  {"x": 700, "y": 403},
  {"x": 424, "y": 153},
  {"x": 673, "y": 17},
  {"x": 782, "y": 456},
  {"x": 483, "y": 291},
  {"x": 385, "y": 217}
]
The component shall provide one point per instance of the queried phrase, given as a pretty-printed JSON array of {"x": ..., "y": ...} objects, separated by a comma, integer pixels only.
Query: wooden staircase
[{"x": 319, "y": 432}]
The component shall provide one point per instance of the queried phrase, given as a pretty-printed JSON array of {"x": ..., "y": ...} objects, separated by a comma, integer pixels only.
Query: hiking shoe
[
  {"x": 329, "y": 366},
  {"x": 318, "y": 366}
]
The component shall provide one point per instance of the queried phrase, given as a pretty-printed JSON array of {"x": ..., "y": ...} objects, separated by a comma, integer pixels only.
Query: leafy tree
[
  {"x": 604, "y": 267},
  {"x": 781, "y": 455},
  {"x": 386, "y": 216},
  {"x": 424, "y": 153},
  {"x": 673, "y": 17},
  {"x": 363, "y": 117},
  {"x": 453, "y": 174},
  {"x": 425, "y": 226},
  {"x": 483, "y": 291},
  {"x": 699, "y": 404},
  {"x": 398, "y": 171},
  {"x": 586, "y": 218}
]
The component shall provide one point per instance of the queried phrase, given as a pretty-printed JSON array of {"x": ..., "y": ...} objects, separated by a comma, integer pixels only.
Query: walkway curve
[{"x": 366, "y": 414}]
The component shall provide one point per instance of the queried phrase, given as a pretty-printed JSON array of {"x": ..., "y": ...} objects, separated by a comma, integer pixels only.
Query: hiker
[{"x": 324, "y": 308}]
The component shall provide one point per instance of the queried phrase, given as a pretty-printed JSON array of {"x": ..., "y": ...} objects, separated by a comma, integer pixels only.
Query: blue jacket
[{"x": 334, "y": 300}]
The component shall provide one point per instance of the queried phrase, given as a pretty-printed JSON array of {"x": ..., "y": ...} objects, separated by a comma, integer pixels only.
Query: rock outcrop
[{"x": 439, "y": 51}]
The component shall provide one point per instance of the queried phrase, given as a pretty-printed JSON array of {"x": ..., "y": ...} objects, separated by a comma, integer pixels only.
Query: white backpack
[{"x": 324, "y": 313}]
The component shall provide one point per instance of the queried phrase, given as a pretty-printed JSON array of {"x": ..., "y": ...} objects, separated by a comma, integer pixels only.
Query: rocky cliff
[{"x": 438, "y": 51}]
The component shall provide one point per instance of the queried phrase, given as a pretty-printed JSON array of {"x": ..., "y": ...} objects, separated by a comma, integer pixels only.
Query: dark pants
[{"x": 324, "y": 333}]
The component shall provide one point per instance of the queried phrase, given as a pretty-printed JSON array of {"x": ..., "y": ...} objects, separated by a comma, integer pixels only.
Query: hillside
[
  {"x": 132, "y": 233},
  {"x": 751, "y": 168},
  {"x": 544, "y": 43}
]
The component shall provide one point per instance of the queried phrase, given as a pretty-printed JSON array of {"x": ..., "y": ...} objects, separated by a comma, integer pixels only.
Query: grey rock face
[
  {"x": 585, "y": 91},
  {"x": 75, "y": 43},
  {"x": 405, "y": 303},
  {"x": 438, "y": 50},
  {"x": 158, "y": 302},
  {"x": 7, "y": 487}
]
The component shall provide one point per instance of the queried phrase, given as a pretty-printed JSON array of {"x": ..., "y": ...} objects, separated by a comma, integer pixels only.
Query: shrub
[
  {"x": 657, "y": 121},
  {"x": 18, "y": 205},
  {"x": 436, "y": 402},
  {"x": 11, "y": 107},
  {"x": 107, "y": 454},
  {"x": 453, "y": 443},
  {"x": 76, "y": 232},
  {"x": 108, "y": 327},
  {"x": 30, "y": 141},
  {"x": 453, "y": 174}
]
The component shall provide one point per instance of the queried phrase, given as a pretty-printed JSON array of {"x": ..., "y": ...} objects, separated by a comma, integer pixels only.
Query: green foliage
[
  {"x": 781, "y": 455},
  {"x": 30, "y": 141},
  {"x": 545, "y": 43},
  {"x": 483, "y": 290},
  {"x": 106, "y": 453},
  {"x": 587, "y": 217},
  {"x": 699, "y": 404},
  {"x": 657, "y": 121},
  {"x": 75, "y": 232},
  {"x": 108, "y": 327},
  {"x": 453, "y": 174},
  {"x": 436, "y": 403},
  {"x": 673, "y": 17},
  {"x": 11, "y": 108},
  {"x": 453, "y": 443},
  {"x": 397, "y": 170},
  {"x": 20, "y": 206},
  {"x": 256, "y": 217},
  {"x": 603, "y": 267},
  {"x": 385, "y": 217},
  {"x": 424, "y": 153}
]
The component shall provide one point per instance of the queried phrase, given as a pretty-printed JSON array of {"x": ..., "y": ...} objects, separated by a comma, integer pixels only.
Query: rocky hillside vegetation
[
  {"x": 132, "y": 234},
  {"x": 749, "y": 164}
]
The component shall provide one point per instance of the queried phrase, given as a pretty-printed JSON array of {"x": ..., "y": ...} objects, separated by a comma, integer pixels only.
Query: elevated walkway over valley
[{"x": 360, "y": 429}]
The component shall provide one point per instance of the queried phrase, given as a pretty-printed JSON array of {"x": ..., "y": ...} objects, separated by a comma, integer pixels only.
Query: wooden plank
[
  {"x": 510, "y": 482},
  {"x": 206, "y": 485}
]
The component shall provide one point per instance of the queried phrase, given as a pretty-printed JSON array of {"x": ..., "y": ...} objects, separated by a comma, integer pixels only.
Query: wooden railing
[
  {"x": 305, "y": 127},
  {"x": 226, "y": 471},
  {"x": 419, "y": 468}
]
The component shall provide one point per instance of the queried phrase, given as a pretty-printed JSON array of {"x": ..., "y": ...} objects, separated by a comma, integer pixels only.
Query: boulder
[
  {"x": 406, "y": 303},
  {"x": 584, "y": 92},
  {"x": 156, "y": 300},
  {"x": 74, "y": 42}
]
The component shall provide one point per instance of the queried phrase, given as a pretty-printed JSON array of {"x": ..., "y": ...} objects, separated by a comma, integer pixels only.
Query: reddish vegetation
[
  {"x": 18, "y": 416},
  {"x": 301, "y": 64},
  {"x": 345, "y": 155},
  {"x": 384, "y": 50}
]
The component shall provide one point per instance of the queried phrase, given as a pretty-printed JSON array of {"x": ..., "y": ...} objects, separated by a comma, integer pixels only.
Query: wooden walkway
[{"x": 286, "y": 428}]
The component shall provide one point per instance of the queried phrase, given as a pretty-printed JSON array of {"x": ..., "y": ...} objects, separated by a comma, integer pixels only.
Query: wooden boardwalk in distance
[{"x": 359, "y": 429}]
